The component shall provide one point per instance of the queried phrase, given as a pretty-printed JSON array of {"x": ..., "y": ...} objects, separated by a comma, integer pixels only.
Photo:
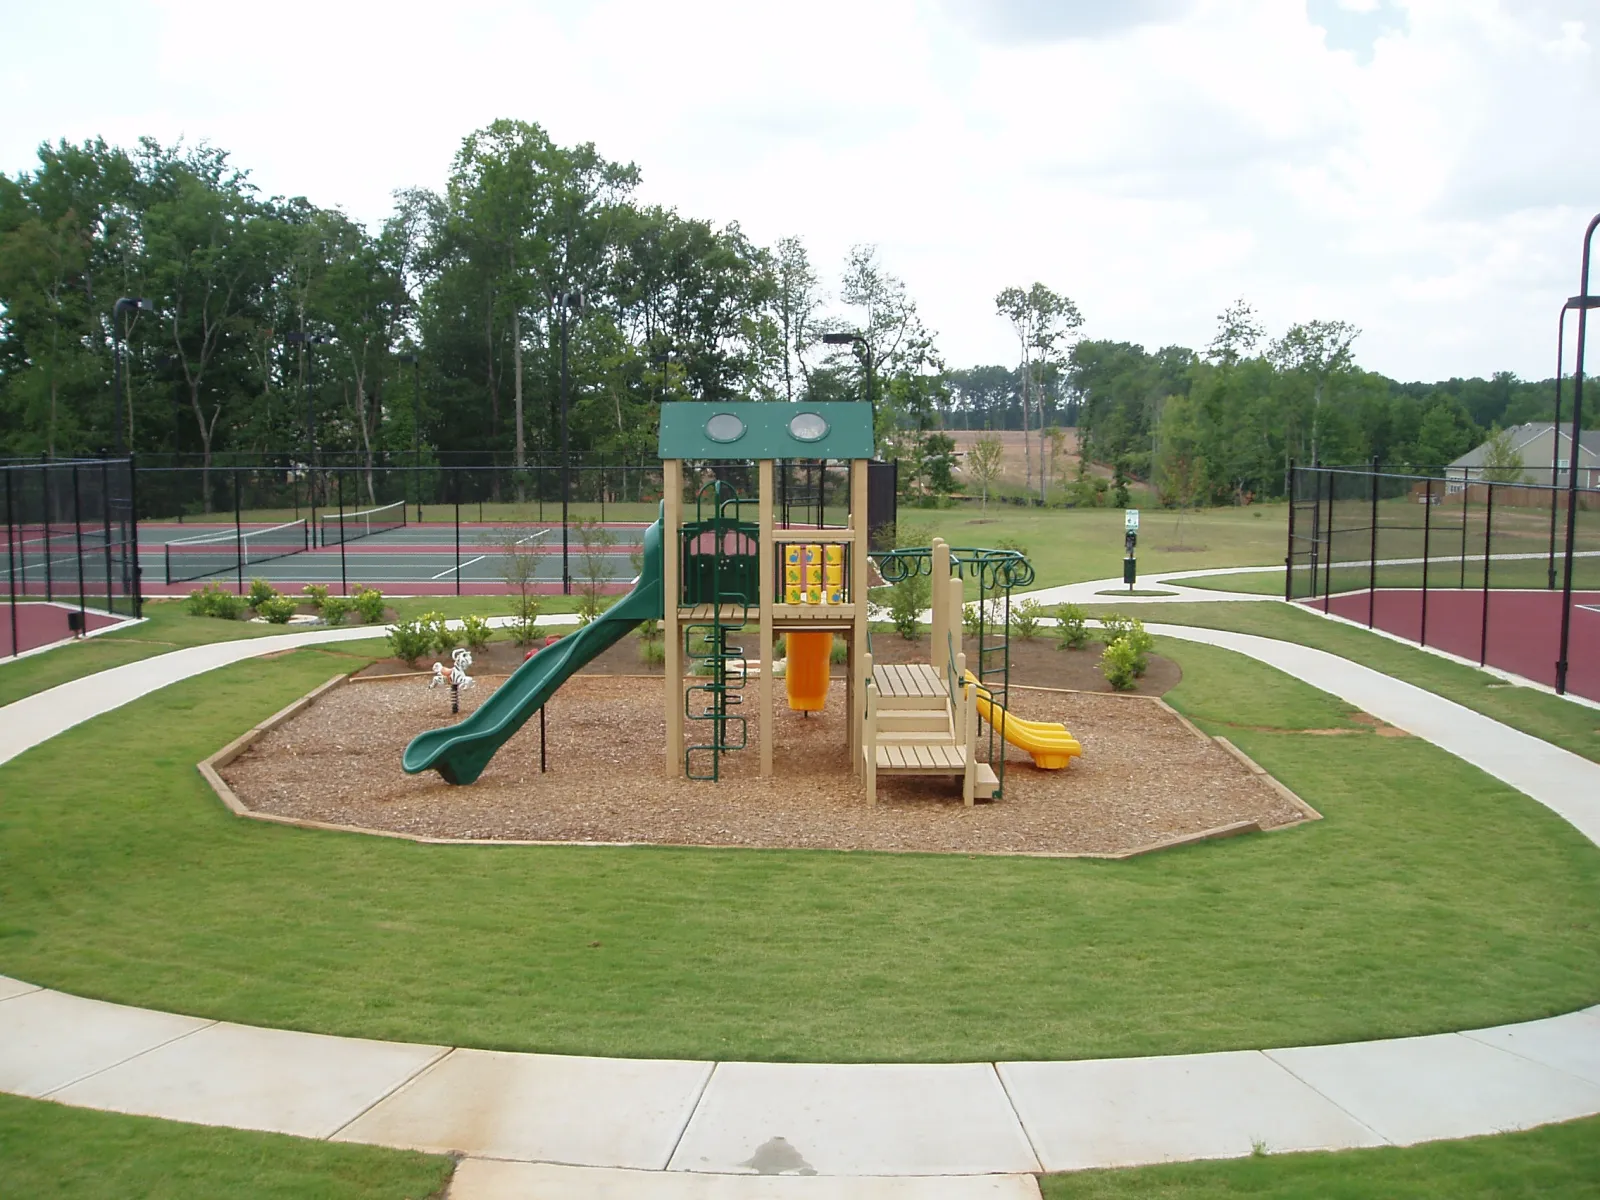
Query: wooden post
[
  {"x": 953, "y": 607},
  {"x": 869, "y": 755},
  {"x": 969, "y": 734},
  {"x": 671, "y": 593},
  {"x": 767, "y": 564},
  {"x": 940, "y": 604},
  {"x": 861, "y": 668}
]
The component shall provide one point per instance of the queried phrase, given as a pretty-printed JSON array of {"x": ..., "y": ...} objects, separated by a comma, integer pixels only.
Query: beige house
[{"x": 1536, "y": 443}]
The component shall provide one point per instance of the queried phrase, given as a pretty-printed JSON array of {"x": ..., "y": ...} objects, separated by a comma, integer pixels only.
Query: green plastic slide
[{"x": 460, "y": 752}]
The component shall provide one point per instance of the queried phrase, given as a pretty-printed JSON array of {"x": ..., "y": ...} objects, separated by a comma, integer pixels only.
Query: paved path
[{"x": 558, "y": 1126}]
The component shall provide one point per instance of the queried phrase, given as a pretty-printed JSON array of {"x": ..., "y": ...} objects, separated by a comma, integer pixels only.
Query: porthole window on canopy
[
  {"x": 724, "y": 427},
  {"x": 808, "y": 427}
]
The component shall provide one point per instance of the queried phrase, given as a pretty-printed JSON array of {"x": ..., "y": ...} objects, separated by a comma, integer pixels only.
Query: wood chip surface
[{"x": 1144, "y": 777}]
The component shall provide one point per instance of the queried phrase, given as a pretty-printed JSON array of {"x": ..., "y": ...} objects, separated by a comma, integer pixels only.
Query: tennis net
[
  {"x": 338, "y": 528},
  {"x": 215, "y": 553}
]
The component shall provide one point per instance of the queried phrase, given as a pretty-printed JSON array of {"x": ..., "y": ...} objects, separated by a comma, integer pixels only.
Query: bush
[
  {"x": 1120, "y": 628},
  {"x": 212, "y": 601},
  {"x": 475, "y": 632},
  {"x": 335, "y": 608},
  {"x": 410, "y": 640},
  {"x": 276, "y": 609},
  {"x": 317, "y": 593},
  {"x": 1072, "y": 627},
  {"x": 1025, "y": 619},
  {"x": 444, "y": 638},
  {"x": 907, "y": 600},
  {"x": 1119, "y": 663},
  {"x": 369, "y": 603},
  {"x": 650, "y": 629},
  {"x": 839, "y": 652},
  {"x": 590, "y": 604},
  {"x": 652, "y": 651},
  {"x": 525, "y": 630},
  {"x": 260, "y": 590}
]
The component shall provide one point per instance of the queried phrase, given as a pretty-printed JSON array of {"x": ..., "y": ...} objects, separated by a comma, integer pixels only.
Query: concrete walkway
[{"x": 553, "y": 1126}]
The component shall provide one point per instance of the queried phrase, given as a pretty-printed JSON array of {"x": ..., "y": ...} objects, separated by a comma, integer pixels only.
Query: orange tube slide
[{"x": 806, "y": 670}]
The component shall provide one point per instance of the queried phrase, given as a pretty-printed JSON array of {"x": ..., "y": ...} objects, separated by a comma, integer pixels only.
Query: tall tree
[{"x": 1043, "y": 321}]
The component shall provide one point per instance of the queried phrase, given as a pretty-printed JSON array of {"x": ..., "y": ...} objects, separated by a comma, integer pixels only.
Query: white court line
[
  {"x": 468, "y": 563},
  {"x": 530, "y": 537}
]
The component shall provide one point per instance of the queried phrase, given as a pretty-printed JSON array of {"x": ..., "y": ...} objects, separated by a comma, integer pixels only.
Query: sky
[{"x": 1423, "y": 169}]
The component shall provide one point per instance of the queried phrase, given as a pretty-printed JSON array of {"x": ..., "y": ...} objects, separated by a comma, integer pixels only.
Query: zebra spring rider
[{"x": 456, "y": 677}]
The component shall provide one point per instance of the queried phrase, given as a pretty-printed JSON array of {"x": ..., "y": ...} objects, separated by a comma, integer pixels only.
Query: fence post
[
  {"x": 130, "y": 542},
  {"x": 105, "y": 528},
  {"x": 1466, "y": 504},
  {"x": 1327, "y": 559},
  {"x": 1288, "y": 562},
  {"x": 1427, "y": 532},
  {"x": 11, "y": 562},
  {"x": 44, "y": 494},
  {"x": 344, "y": 574},
  {"x": 1372, "y": 554},
  {"x": 457, "y": 476},
  {"x": 238, "y": 533},
  {"x": 1488, "y": 533},
  {"x": 77, "y": 534}
]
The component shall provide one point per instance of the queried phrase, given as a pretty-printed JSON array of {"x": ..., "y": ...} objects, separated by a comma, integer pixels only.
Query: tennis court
[
  {"x": 30, "y": 625},
  {"x": 1520, "y": 633},
  {"x": 375, "y": 548}
]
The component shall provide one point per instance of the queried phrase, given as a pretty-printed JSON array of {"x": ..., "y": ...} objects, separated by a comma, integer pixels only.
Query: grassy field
[
  {"x": 49, "y": 1150},
  {"x": 1571, "y": 726},
  {"x": 169, "y": 626},
  {"x": 121, "y": 877},
  {"x": 1557, "y": 1162}
]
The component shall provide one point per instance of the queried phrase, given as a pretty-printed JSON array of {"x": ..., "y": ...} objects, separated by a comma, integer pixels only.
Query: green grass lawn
[
  {"x": 1078, "y": 544},
  {"x": 51, "y": 1150},
  {"x": 1556, "y": 1162},
  {"x": 1432, "y": 898},
  {"x": 169, "y": 626},
  {"x": 1564, "y": 723}
]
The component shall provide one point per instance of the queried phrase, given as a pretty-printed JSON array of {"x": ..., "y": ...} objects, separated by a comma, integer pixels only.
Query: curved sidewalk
[{"x": 671, "y": 1129}]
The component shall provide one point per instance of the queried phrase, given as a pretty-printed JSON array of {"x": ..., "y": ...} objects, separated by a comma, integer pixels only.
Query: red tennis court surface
[
  {"x": 40, "y": 624},
  {"x": 1524, "y": 634}
]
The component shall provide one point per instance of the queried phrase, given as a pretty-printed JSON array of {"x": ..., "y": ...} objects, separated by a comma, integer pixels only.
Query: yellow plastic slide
[
  {"x": 1051, "y": 746},
  {"x": 806, "y": 672}
]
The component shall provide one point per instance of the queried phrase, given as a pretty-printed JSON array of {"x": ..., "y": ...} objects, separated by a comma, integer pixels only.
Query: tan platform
[{"x": 914, "y": 728}]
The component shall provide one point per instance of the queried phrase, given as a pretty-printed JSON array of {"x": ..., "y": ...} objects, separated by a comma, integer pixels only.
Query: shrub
[
  {"x": 839, "y": 652},
  {"x": 525, "y": 630},
  {"x": 1119, "y": 663},
  {"x": 444, "y": 638},
  {"x": 212, "y": 601},
  {"x": 369, "y": 603},
  {"x": 1072, "y": 627},
  {"x": 260, "y": 590},
  {"x": 652, "y": 651},
  {"x": 907, "y": 599},
  {"x": 475, "y": 632},
  {"x": 276, "y": 609},
  {"x": 410, "y": 640},
  {"x": 1025, "y": 619},
  {"x": 1120, "y": 628},
  {"x": 590, "y": 604},
  {"x": 335, "y": 608},
  {"x": 650, "y": 629},
  {"x": 317, "y": 593}
]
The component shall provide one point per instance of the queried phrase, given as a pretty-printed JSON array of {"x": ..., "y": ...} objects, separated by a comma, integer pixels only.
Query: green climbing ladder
[{"x": 720, "y": 557}]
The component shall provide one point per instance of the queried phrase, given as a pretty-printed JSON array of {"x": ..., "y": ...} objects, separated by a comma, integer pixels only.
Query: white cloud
[{"x": 1421, "y": 168}]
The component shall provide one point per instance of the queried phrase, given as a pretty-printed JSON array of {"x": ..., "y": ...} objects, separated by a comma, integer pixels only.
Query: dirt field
[
  {"x": 1144, "y": 777},
  {"x": 1012, "y": 467}
]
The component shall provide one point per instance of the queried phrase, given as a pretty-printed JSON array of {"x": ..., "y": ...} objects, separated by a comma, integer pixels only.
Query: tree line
[{"x": 279, "y": 327}]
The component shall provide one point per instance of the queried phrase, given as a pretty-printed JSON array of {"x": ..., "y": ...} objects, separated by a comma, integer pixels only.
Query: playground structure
[{"x": 728, "y": 566}]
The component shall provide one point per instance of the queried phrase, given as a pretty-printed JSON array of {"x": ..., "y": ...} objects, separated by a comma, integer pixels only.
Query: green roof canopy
[{"x": 753, "y": 430}]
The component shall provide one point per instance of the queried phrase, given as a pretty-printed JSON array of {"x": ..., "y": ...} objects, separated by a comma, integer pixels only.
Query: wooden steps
[{"x": 913, "y": 728}]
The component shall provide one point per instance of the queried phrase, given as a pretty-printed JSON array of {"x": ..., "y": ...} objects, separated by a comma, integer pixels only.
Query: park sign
[{"x": 1130, "y": 520}]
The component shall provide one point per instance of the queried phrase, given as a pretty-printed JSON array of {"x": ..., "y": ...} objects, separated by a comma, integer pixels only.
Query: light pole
[
  {"x": 306, "y": 341},
  {"x": 863, "y": 347},
  {"x": 119, "y": 334},
  {"x": 1583, "y": 302},
  {"x": 416, "y": 423},
  {"x": 569, "y": 301}
]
